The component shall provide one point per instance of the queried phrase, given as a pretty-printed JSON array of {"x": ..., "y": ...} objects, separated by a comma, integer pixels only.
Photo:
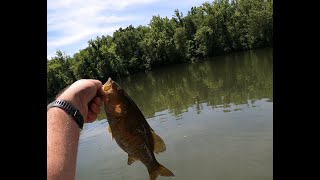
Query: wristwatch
[{"x": 68, "y": 108}]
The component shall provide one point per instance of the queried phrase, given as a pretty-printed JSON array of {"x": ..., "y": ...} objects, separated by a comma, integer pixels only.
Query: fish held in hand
[{"x": 131, "y": 131}]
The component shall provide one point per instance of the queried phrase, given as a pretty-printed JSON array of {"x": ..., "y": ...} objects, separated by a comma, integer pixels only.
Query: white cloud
[{"x": 70, "y": 23}]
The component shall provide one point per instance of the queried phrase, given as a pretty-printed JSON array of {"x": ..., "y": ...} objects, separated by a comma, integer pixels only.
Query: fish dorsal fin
[
  {"x": 109, "y": 129},
  {"x": 159, "y": 145},
  {"x": 131, "y": 159}
]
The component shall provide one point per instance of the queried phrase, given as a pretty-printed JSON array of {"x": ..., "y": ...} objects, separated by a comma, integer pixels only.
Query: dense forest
[{"x": 211, "y": 29}]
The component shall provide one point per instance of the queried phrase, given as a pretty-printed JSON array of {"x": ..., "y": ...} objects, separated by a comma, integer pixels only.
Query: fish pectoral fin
[
  {"x": 109, "y": 129},
  {"x": 159, "y": 145},
  {"x": 131, "y": 159}
]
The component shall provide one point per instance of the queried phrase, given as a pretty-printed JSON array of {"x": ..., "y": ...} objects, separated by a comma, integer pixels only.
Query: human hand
[{"x": 85, "y": 95}]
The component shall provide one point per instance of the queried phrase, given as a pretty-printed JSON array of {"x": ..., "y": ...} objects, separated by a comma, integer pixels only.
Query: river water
[{"x": 215, "y": 116}]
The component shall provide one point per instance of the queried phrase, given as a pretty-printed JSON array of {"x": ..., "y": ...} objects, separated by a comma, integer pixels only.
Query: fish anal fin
[
  {"x": 159, "y": 145},
  {"x": 131, "y": 159},
  {"x": 109, "y": 129}
]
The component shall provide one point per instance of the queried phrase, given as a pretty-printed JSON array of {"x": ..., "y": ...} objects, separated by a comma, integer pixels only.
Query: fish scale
[{"x": 131, "y": 131}]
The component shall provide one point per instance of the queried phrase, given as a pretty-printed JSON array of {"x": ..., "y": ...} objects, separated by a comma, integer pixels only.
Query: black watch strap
[{"x": 67, "y": 107}]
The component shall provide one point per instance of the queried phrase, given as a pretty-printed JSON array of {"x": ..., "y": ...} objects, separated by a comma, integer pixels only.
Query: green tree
[{"x": 210, "y": 29}]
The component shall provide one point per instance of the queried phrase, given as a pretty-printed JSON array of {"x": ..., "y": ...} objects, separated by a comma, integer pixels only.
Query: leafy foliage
[{"x": 212, "y": 29}]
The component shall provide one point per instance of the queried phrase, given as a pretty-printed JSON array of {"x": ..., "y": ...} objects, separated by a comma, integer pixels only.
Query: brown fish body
[{"x": 131, "y": 131}]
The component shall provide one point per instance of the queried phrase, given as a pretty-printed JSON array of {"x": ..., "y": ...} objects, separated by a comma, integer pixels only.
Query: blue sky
[{"x": 72, "y": 23}]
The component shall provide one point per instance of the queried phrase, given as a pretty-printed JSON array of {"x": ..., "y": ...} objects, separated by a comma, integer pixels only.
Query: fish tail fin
[{"x": 159, "y": 171}]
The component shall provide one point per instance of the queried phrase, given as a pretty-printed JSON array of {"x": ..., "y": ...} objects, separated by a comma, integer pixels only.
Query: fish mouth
[{"x": 107, "y": 85}]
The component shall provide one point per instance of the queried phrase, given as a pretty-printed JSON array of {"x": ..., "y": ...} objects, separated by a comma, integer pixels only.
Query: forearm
[{"x": 62, "y": 145}]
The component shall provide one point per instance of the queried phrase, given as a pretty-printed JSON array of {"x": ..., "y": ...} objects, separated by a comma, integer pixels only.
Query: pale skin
[{"x": 62, "y": 130}]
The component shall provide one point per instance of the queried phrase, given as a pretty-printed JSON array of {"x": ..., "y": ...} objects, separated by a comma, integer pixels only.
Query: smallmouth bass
[{"x": 131, "y": 131}]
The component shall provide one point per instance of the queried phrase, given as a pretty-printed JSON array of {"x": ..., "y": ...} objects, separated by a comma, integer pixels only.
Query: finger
[
  {"x": 95, "y": 87},
  {"x": 100, "y": 92},
  {"x": 97, "y": 83},
  {"x": 99, "y": 89},
  {"x": 94, "y": 108},
  {"x": 95, "y": 104},
  {"x": 91, "y": 117},
  {"x": 97, "y": 100}
]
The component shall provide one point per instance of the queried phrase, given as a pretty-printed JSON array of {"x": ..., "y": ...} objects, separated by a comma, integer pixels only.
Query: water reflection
[
  {"x": 235, "y": 78},
  {"x": 215, "y": 118}
]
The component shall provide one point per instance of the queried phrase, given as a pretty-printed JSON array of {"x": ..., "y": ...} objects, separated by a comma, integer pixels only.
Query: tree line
[{"x": 211, "y": 29}]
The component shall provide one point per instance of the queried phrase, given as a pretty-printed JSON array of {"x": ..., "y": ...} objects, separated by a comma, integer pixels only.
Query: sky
[{"x": 72, "y": 23}]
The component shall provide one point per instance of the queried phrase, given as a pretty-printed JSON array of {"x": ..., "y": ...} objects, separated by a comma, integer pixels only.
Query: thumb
[{"x": 96, "y": 88}]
